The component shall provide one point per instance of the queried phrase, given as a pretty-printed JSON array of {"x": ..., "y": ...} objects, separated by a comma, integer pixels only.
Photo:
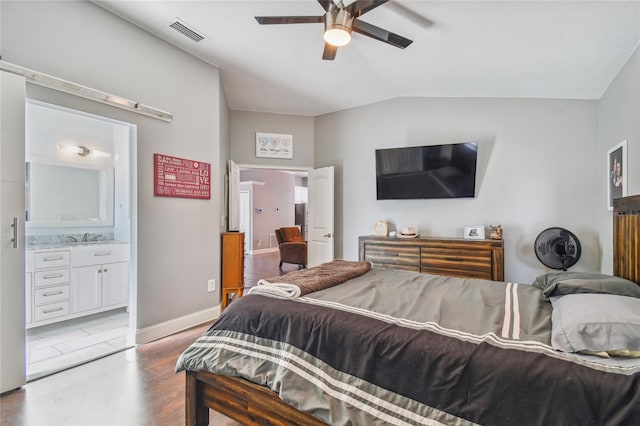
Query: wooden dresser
[
  {"x": 232, "y": 266},
  {"x": 442, "y": 256}
]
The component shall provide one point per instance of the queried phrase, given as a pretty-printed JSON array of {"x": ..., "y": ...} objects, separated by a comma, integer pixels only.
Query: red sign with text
[{"x": 177, "y": 177}]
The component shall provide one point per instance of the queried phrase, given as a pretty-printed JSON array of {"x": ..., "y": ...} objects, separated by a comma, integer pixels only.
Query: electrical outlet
[{"x": 211, "y": 285}]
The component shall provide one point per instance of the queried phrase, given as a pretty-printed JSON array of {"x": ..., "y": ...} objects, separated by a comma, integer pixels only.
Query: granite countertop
[{"x": 55, "y": 245}]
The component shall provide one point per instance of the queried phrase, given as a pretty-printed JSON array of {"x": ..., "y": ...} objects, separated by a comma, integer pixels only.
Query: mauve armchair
[{"x": 293, "y": 249}]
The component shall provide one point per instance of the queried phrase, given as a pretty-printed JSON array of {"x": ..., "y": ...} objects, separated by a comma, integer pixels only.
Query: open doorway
[
  {"x": 269, "y": 199},
  {"x": 80, "y": 204}
]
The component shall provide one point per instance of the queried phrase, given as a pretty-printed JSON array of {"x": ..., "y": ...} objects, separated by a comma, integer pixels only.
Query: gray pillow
[
  {"x": 595, "y": 323},
  {"x": 559, "y": 283}
]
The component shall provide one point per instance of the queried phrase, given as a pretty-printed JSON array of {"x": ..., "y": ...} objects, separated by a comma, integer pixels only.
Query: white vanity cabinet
[
  {"x": 75, "y": 281},
  {"x": 99, "y": 277}
]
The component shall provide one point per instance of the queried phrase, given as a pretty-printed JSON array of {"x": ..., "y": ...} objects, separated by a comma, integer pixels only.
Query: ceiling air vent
[{"x": 186, "y": 31}]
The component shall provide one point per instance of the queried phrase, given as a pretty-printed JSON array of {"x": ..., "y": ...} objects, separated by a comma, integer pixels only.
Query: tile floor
[{"x": 62, "y": 345}]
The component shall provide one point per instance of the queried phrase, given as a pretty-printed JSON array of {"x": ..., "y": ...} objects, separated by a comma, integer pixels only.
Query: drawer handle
[
  {"x": 49, "y": 277},
  {"x": 453, "y": 259},
  {"x": 102, "y": 253},
  {"x": 53, "y": 293},
  {"x": 50, "y": 259},
  {"x": 394, "y": 254},
  {"x": 48, "y": 311}
]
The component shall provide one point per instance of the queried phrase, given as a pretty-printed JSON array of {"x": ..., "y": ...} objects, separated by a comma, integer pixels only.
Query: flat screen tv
[{"x": 434, "y": 171}]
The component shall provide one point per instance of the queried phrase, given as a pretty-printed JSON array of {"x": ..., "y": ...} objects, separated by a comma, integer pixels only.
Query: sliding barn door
[{"x": 12, "y": 270}]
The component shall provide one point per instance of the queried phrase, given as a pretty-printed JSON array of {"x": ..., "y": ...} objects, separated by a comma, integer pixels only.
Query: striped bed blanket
[{"x": 394, "y": 347}]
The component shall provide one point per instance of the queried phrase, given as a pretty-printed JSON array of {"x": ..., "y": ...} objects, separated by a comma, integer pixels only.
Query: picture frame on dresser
[{"x": 474, "y": 232}]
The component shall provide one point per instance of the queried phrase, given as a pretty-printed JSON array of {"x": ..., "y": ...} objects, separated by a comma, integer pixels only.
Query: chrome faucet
[
  {"x": 72, "y": 239},
  {"x": 85, "y": 237}
]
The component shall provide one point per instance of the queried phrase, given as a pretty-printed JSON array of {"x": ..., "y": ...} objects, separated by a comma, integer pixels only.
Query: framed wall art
[
  {"x": 274, "y": 145},
  {"x": 181, "y": 178},
  {"x": 616, "y": 173}
]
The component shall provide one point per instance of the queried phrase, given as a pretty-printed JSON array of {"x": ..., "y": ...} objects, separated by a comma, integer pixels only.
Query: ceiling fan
[{"x": 339, "y": 21}]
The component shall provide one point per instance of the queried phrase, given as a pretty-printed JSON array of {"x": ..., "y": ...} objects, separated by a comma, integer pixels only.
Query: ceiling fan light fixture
[
  {"x": 337, "y": 27},
  {"x": 337, "y": 36}
]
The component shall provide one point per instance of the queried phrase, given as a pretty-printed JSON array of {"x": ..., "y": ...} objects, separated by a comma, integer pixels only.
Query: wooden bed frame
[{"x": 252, "y": 404}]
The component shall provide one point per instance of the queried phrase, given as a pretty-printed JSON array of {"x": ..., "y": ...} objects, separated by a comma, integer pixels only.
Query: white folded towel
[{"x": 280, "y": 290}]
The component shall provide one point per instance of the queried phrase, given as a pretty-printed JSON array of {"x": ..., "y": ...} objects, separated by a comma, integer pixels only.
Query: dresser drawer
[
  {"x": 53, "y": 310},
  {"x": 379, "y": 254},
  {"x": 51, "y": 259},
  {"x": 99, "y": 254},
  {"x": 50, "y": 294},
  {"x": 456, "y": 257},
  {"x": 51, "y": 277},
  {"x": 456, "y": 262}
]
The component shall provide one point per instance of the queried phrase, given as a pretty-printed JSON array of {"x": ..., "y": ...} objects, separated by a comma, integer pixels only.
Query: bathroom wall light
[{"x": 83, "y": 151}]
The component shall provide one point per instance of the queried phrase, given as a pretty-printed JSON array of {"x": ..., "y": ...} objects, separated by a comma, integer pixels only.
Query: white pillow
[{"x": 596, "y": 323}]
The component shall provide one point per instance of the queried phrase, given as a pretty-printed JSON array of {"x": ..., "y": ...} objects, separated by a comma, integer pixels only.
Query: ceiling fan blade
[
  {"x": 360, "y": 7},
  {"x": 329, "y": 52},
  {"x": 274, "y": 20},
  {"x": 378, "y": 33},
  {"x": 326, "y": 4}
]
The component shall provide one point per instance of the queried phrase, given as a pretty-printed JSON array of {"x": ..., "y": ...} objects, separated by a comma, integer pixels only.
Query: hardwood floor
[
  {"x": 137, "y": 386},
  {"x": 264, "y": 265}
]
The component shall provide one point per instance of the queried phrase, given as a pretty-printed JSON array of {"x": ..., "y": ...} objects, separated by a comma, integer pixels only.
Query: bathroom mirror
[{"x": 68, "y": 196}]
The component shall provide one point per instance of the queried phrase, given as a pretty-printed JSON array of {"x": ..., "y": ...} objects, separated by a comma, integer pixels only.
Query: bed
[{"x": 361, "y": 352}]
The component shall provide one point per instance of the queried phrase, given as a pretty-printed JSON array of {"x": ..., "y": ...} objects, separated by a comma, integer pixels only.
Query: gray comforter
[{"x": 393, "y": 347}]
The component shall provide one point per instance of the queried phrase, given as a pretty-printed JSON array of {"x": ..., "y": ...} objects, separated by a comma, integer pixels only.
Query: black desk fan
[{"x": 557, "y": 248}]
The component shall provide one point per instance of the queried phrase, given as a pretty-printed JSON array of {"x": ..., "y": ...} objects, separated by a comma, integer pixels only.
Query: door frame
[
  {"x": 248, "y": 232},
  {"x": 275, "y": 167},
  {"x": 132, "y": 307}
]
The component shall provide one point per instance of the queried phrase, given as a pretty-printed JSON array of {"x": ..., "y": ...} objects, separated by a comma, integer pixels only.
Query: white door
[
  {"x": 320, "y": 227},
  {"x": 245, "y": 219},
  {"x": 12, "y": 208}
]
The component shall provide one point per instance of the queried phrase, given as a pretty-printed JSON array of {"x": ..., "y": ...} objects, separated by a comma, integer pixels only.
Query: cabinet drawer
[
  {"x": 51, "y": 294},
  {"x": 388, "y": 253},
  {"x": 99, "y": 254},
  {"x": 53, "y": 310},
  {"x": 51, "y": 259},
  {"x": 51, "y": 277},
  {"x": 457, "y": 262}
]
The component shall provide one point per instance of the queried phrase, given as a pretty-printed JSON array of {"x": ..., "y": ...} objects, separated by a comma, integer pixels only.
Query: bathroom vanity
[{"x": 65, "y": 281}]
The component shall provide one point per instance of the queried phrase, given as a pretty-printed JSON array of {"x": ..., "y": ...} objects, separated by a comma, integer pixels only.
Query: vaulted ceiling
[{"x": 526, "y": 49}]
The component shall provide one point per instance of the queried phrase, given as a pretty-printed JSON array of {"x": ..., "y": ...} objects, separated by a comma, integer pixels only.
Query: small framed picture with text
[{"x": 474, "y": 232}]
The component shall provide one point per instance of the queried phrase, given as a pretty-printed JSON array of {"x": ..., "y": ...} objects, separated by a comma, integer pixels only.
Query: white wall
[
  {"x": 618, "y": 119},
  {"x": 178, "y": 239},
  {"x": 537, "y": 168}
]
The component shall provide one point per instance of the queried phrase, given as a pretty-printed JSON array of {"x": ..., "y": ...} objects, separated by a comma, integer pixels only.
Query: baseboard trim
[
  {"x": 266, "y": 250},
  {"x": 164, "y": 329}
]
